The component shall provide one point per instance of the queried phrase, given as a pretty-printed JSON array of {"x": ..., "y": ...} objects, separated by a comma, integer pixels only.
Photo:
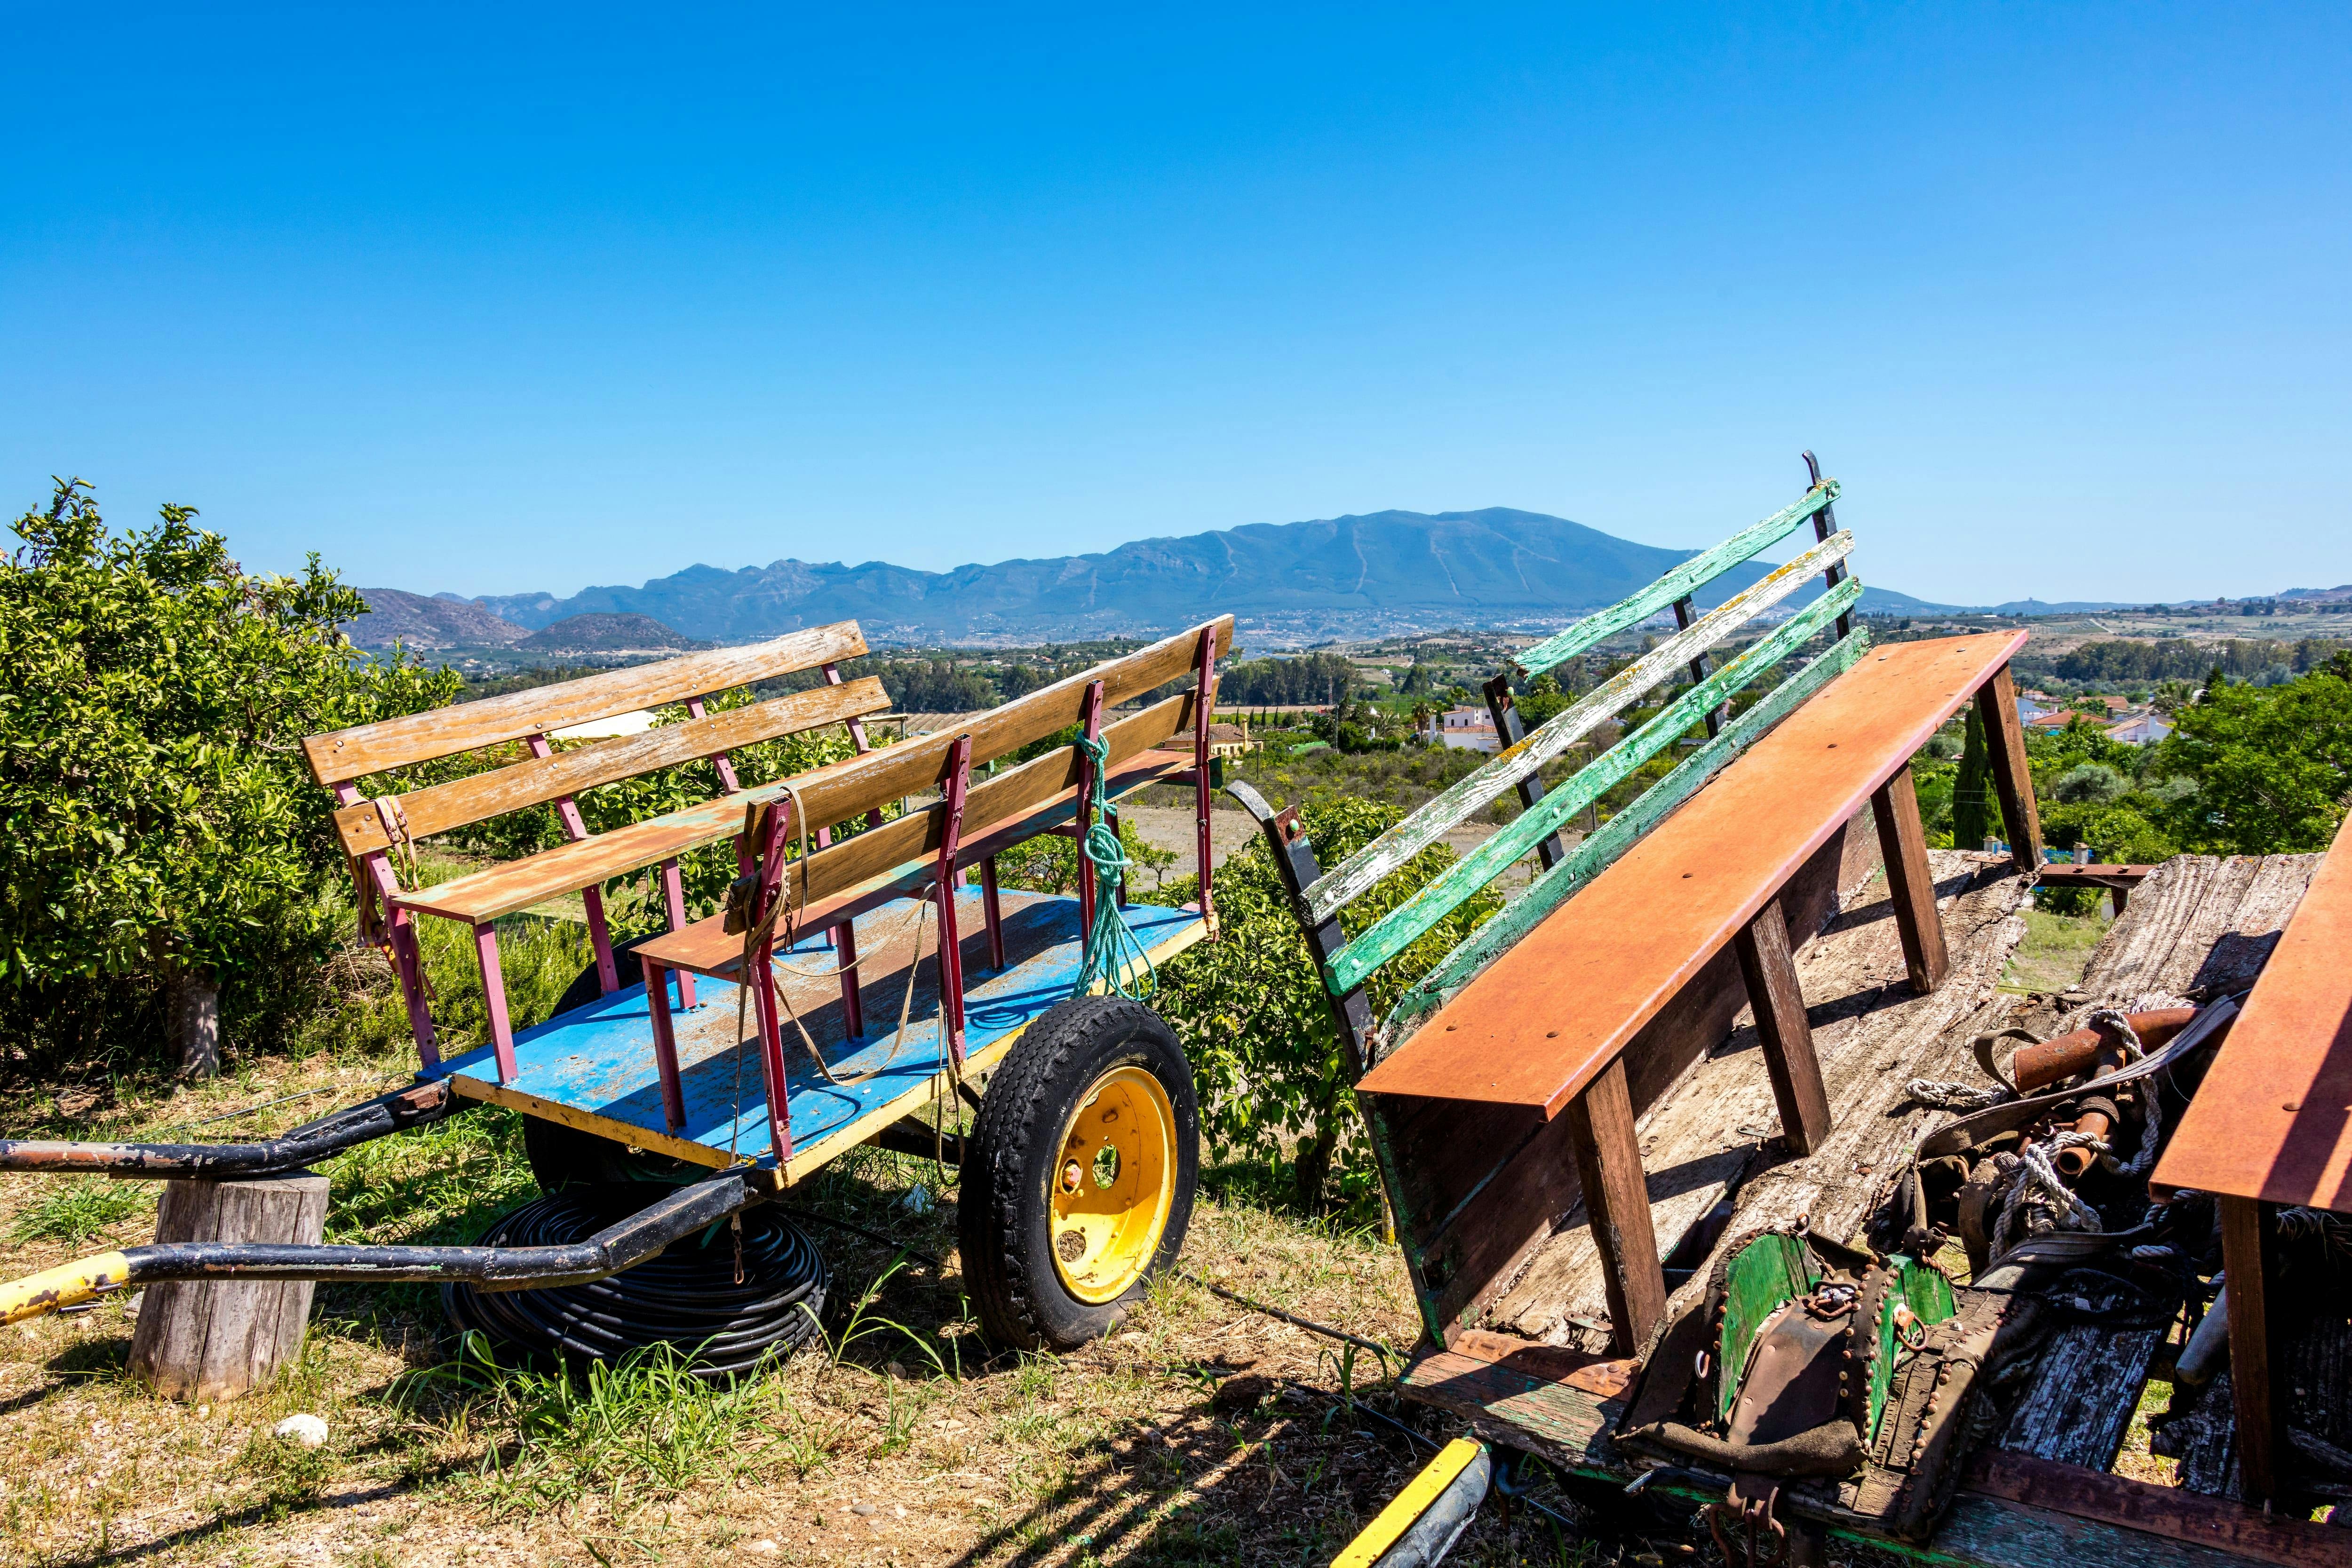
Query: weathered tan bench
[{"x": 378, "y": 831}]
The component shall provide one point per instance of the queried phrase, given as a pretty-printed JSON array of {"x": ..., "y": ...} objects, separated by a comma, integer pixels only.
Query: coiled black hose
[{"x": 688, "y": 1298}]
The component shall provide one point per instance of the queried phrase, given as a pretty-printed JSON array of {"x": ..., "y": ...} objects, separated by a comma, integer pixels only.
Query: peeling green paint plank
[
  {"x": 1621, "y": 833},
  {"x": 1401, "y": 926},
  {"x": 1349, "y": 880},
  {"x": 1691, "y": 575}
]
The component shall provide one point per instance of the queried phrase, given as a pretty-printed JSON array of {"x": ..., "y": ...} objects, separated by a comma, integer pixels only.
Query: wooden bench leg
[
  {"x": 494, "y": 993},
  {"x": 2012, "y": 780},
  {"x": 1902, "y": 844},
  {"x": 853, "y": 1004},
  {"x": 673, "y": 1091},
  {"x": 2245, "y": 1226},
  {"x": 1617, "y": 1201},
  {"x": 1770, "y": 971}
]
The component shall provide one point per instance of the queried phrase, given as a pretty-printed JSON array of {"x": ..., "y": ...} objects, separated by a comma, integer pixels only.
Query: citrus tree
[{"x": 158, "y": 834}]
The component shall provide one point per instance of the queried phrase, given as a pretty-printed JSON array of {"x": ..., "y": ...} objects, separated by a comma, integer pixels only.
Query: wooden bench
[
  {"x": 1503, "y": 1089},
  {"x": 2271, "y": 1127},
  {"x": 922, "y": 854},
  {"x": 376, "y": 831}
]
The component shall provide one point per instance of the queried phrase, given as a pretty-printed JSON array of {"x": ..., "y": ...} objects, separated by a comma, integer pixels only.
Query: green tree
[
  {"x": 2273, "y": 765},
  {"x": 1976, "y": 816},
  {"x": 161, "y": 827},
  {"x": 1251, "y": 1007}
]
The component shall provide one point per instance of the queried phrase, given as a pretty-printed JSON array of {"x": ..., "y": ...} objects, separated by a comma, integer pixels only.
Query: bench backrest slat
[
  {"x": 1349, "y": 880},
  {"x": 854, "y": 785},
  {"x": 438, "y": 808},
  {"x": 1403, "y": 925},
  {"x": 918, "y": 834},
  {"x": 344, "y": 756},
  {"x": 1686, "y": 578}
]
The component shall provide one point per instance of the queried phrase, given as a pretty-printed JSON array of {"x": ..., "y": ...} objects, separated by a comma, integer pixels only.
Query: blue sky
[{"x": 497, "y": 299}]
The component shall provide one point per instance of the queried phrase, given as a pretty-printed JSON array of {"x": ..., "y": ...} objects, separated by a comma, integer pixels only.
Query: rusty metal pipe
[
  {"x": 2074, "y": 1160},
  {"x": 2037, "y": 1066}
]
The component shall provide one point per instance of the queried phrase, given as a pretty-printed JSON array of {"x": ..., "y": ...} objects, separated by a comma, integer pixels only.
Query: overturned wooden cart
[
  {"x": 1606, "y": 1198},
  {"x": 735, "y": 1055}
]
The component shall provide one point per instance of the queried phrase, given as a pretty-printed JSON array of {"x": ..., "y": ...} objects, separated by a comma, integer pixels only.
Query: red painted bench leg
[
  {"x": 494, "y": 993},
  {"x": 1770, "y": 971},
  {"x": 853, "y": 1004},
  {"x": 665, "y": 1046},
  {"x": 674, "y": 901},
  {"x": 1902, "y": 844},
  {"x": 772, "y": 1075},
  {"x": 1617, "y": 1201}
]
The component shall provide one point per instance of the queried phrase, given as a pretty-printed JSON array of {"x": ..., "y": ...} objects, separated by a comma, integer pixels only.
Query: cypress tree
[{"x": 1976, "y": 816}]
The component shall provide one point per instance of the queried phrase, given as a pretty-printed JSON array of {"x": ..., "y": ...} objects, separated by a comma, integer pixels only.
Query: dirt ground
[{"x": 1200, "y": 1432}]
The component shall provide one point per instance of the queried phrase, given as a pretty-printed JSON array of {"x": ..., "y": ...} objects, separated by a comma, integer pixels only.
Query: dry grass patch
[{"x": 1200, "y": 1433}]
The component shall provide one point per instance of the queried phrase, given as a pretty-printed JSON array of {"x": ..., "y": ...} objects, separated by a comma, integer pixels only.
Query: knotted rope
[{"x": 1113, "y": 957}]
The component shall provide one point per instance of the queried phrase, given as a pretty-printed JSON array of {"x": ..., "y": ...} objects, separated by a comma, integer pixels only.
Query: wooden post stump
[{"x": 218, "y": 1338}]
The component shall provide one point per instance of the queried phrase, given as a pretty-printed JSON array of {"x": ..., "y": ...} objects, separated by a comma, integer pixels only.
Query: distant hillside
[
  {"x": 442, "y": 621},
  {"x": 1387, "y": 572},
  {"x": 606, "y": 633}
]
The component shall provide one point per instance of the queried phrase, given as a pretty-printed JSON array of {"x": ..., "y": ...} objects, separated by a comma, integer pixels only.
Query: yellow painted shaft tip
[
  {"x": 67, "y": 1285},
  {"x": 1409, "y": 1504}
]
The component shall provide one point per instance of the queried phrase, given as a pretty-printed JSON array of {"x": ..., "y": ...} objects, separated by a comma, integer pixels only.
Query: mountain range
[{"x": 1381, "y": 574}]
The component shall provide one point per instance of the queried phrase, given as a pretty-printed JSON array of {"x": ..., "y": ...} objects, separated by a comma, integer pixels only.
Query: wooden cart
[
  {"x": 882, "y": 981},
  {"x": 1572, "y": 1134}
]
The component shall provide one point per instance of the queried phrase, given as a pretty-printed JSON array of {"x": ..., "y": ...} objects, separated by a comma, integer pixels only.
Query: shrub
[
  {"x": 2088, "y": 783},
  {"x": 161, "y": 827},
  {"x": 1251, "y": 1006},
  {"x": 2273, "y": 765}
]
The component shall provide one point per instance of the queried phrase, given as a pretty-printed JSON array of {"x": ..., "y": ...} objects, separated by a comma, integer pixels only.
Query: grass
[
  {"x": 78, "y": 1210},
  {"x": 2056, "y": 951},
  {"x": 1134, "y": 1450}
]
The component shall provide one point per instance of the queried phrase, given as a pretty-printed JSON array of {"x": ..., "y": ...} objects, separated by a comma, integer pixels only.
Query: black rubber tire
[
  {"x": 564, "y": 1156},
  {"x": 1004, "y": 1216}
]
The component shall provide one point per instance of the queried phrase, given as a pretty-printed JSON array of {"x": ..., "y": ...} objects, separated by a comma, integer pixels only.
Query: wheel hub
[{"x": 1115, "y": 1181}]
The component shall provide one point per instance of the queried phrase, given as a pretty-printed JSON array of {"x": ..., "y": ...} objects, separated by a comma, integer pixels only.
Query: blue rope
[{"x": 1113, "y": 956}]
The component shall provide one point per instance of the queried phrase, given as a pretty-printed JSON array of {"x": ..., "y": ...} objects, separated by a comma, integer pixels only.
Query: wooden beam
[
  {"x": 2012, "y": 779},
  {"x": 1691, "y": 573},
  {"x": 1450, "y": 889},
  {"x": 2170, "y": 1513},
  {"x": 1770, "y": 971},
  {"x": 1902, "y": 844},
  {"x": 1617, "y": 1201},
  {"x": 1428, "y": 822},
  {"x": 835, "y": 793},
  {"x": 364, "y": 748},
  {"x": 2246, "y": 1224},
  {"x": 559, "y": 775}
]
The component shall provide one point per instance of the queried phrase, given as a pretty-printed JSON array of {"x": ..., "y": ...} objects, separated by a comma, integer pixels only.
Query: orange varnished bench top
[
  {"x": 1548, "y": 1015},
  {"x": 2272, "y": 1119}
]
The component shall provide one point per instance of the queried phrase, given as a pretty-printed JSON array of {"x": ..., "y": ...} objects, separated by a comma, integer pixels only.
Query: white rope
[
  {"x": 2038, "y": 1199},
  {"x": 1946, "y": 1095}
]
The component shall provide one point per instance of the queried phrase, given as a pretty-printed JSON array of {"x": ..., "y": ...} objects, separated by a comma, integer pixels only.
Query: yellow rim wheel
[{"x": 1114, "y": 1181}]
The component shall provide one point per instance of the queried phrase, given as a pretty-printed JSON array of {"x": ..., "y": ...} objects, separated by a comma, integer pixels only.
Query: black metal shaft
[{"x": 311, "y": 1141}]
